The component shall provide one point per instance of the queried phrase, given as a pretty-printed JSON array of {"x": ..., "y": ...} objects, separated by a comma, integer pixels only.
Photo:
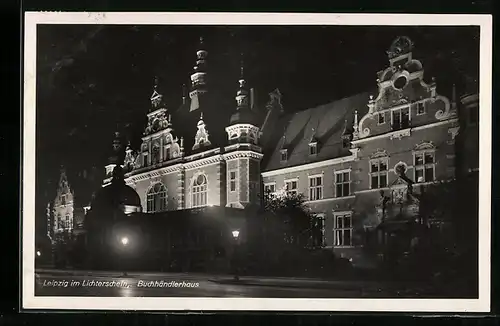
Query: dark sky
[{"x": 90, "y": 77}]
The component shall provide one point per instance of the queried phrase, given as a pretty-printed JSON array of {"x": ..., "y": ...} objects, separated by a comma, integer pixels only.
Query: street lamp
[
  {"x": 124, "y": 241},
  {"x": 236, "y": 234},
  {"x": 38, "y": 253}
]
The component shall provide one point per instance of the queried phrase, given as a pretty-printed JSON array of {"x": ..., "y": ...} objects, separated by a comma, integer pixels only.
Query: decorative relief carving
[
  {"x": 379, "y": 153},
  {"x": 400, "y": 134},
  {"x": 454, "y": 131},
  {"x": 446, "y": 112},
  {"x": 424, "y": 145}
]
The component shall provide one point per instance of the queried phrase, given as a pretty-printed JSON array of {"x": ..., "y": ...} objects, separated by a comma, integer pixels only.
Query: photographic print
[{"x": 181, "y": 161}]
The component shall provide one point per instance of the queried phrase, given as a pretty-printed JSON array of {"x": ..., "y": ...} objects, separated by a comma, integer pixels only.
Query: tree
[{"x": 300, "y": 225}]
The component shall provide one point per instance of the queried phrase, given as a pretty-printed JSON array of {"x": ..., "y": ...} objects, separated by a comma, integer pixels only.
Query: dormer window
[
  {"x": 284, "y": 155},
  {"x": 313, "y": 148},
  {"x": 346, "y": 142}
]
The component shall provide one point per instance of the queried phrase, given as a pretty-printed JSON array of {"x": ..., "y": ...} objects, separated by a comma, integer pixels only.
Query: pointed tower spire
[
  {"x": 201, "y": 138},
  {"x": 184, "y": 93},
  {"x": 199, "y": 78},
  {"x": 156, "y": 98}
]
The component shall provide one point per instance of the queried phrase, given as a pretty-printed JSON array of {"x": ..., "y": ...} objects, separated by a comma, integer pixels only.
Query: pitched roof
[{"x": 326, "y": 122}]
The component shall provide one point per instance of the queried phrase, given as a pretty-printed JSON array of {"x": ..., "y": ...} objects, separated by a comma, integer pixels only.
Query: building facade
[{"x": 349, "y": 157}]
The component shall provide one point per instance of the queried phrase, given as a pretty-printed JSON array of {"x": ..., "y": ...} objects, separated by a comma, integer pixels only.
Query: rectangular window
[
  {"x": 284, "y": 156},
  {"x": 144, "y": 159},
  {"x": 342, "y": 232},
  {"x": 424, "y": 166},
  {"x": 291, "y": 186},
  {"x": 313, "y": 149},
  {"x": 420, "y": 108},
  {"x": 167, "y": 153},
  {"x": 232, "y": 180},
  {"x": 63, "y": 199},
  {"x": 342, "y": 184},
  {"x": 378, "y": 173},
  {"x": 381, "y": 118},
  {"x": 269, "y": 188},
  {"x": 400, "y": 119},
  {"x": 315, "y": 187}
]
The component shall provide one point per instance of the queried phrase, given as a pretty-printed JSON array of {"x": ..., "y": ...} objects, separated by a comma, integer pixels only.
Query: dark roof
[{"x": 326, "y": 122}]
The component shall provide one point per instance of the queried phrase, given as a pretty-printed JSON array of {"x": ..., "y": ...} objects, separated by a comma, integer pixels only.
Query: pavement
[{"x": 146, "y": 284}]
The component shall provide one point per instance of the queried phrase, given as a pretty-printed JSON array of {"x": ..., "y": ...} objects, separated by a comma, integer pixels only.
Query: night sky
[{"x": 90, "y": 78}]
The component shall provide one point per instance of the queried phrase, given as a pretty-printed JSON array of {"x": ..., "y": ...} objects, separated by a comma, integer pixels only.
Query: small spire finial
[
  {"x": 201, "y": 115},
  {"x": 155, "y": 82},
  {"x": 201, "y": 40}
]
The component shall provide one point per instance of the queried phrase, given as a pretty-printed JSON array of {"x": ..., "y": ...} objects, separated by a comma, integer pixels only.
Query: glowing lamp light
[
  {"x": 38, "y": 253},
  {"x": 236, "y": 234},
  {"x": 124, "y": 241}
]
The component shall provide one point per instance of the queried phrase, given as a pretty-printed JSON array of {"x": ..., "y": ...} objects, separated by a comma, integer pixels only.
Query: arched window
[
  {"x": 199, "y": 191},
  {"x": 157, "y": 198}
]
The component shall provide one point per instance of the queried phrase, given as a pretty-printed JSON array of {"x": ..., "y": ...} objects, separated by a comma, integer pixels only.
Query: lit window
[
  {"x": 157, "y": 198},
  {"x": 342, "y": 232},
  {"x": 420, "y": 108},
  {"x": 342, "y": 184},
  {"x": 381, "y": 118},
  {"x": 424, "y": 163},
  {"x": 291, "y": 186},
  {"x": 232, "y": 180},
  {"x": 378, "y": 173},
  {"x": 315, "y": 187},
  {"x": 199, "y": 191}
]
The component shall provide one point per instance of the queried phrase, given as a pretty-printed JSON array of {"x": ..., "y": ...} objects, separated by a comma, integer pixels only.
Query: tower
[
  {"x": 62, "y": 207},
  {"x": 244, "y": 153},
  {"x": 199, "y": 79}
]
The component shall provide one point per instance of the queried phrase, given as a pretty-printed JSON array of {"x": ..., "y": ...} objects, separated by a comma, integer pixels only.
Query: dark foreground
[{"x": 116, "y": 284}]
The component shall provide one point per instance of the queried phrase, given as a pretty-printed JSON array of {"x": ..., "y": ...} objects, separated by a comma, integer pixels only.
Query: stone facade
[{"x": 345, "y": 156}]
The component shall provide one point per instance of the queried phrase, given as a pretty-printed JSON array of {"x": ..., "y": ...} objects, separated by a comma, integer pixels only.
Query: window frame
[
  {"x": 295, "y": 190},
  {"x": 314, "y": 189},
  {"x": 268, "y": 184},
  {"x": 313, "y": 145},
  {"x": 421, "y": 105},
  {"x": 400, "y": 111},
  {"x": 283, "y": 153},
  {"x": 340, "y": 230},
  {"x": 233, "y": 181},
  {"x": 381, "y": 114},
  {"x": 154, "y": 198},
  {"x": 199, "y": 192},
  {"x": 379, "y": 173},
  {"x": 424, "y": 166},
  {"x": 342, "y": 172}
]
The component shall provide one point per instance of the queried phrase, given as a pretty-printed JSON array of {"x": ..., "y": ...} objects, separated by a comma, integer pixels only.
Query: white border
[{"x": 197, "y": 304}]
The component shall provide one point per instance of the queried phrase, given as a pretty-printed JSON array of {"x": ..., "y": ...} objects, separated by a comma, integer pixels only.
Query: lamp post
[
  {"x": 236, "y": 235},
  {"x": 124, "y": 241}
]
